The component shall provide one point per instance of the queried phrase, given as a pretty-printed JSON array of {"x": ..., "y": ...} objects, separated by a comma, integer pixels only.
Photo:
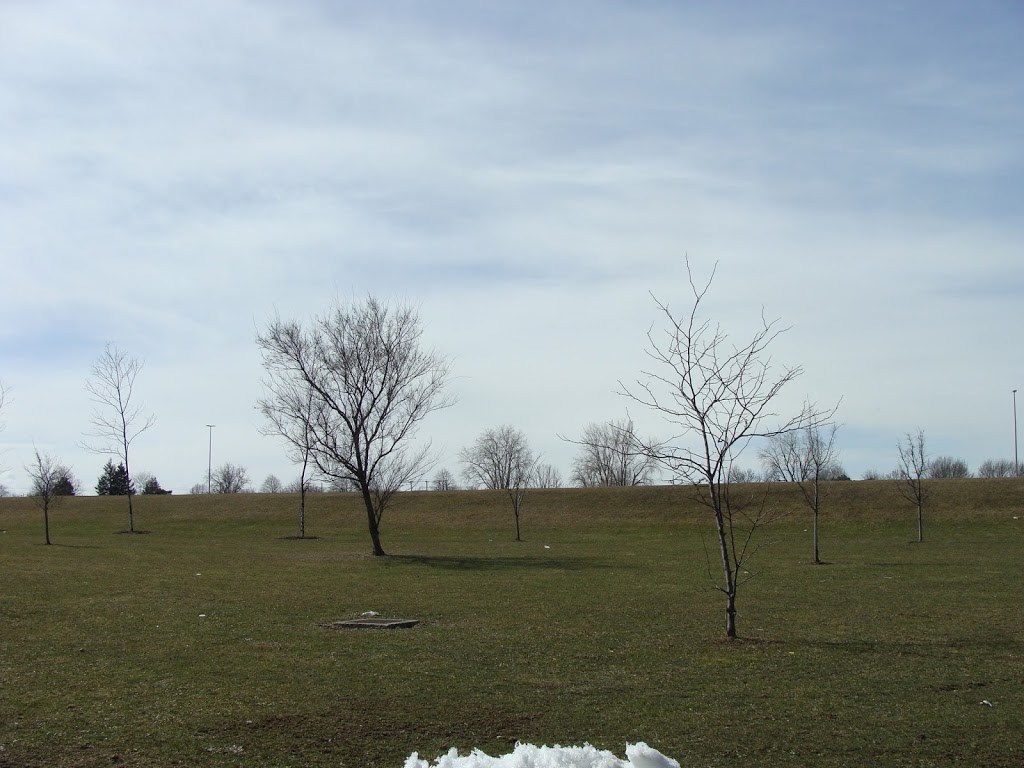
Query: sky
[{"x": 530, "y": 176}]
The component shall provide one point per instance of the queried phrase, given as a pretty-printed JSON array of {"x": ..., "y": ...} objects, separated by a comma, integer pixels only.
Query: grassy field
[{"x": 201, "y": 643}]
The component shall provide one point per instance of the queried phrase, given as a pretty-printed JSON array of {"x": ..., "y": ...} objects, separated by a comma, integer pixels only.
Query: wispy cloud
[{"x": 527, "y": 174}]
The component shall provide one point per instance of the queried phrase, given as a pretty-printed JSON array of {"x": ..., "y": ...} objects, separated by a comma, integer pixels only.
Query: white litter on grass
[{"x": 638, "y": 755}]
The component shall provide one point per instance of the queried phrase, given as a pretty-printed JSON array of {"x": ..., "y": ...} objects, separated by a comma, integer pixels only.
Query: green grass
[{"x": 607, "y": 634}]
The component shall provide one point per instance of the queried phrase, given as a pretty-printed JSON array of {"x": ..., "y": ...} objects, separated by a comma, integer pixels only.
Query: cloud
[{"x": 173, "y": 175}]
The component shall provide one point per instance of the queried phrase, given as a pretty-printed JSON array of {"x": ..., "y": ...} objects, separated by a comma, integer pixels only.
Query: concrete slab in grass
[{"x": 375, "y": 622}]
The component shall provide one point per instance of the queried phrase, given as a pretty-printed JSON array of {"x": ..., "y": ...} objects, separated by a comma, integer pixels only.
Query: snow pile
[{"x": 638, "y": 755}]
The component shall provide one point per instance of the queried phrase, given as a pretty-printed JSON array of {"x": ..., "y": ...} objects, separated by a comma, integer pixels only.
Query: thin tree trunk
[
  {"x": 302, "y": 496},
  {"x": 817, "y": 558},
  {"x": 46, "y": 523},
  {"x": 920, "y": 521},
  {"x": 517, "y": 503},
  {"x": 127, "y": 473},
  {"x": 730, "y": 577},
  {"x": 371, "y": 518},
  {"x": 730, "y": 614}
]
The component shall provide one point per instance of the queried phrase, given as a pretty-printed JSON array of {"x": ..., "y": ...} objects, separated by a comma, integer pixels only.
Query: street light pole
[
  {"x": 1016, "y": 463},
  {"x": 209, "y": 462}
]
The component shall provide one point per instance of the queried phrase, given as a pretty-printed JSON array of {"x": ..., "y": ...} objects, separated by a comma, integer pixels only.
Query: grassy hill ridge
[{"x": 877, "y": 500}]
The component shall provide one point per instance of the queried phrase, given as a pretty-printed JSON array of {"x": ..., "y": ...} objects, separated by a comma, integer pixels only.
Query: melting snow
[{"x": 638, "y": 755}]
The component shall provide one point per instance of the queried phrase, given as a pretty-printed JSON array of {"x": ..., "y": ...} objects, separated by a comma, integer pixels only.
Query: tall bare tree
[
  {"x": 547, "y": 476},
  {"x": 230, "y": 478},
  {"x": 444, "y": 480},
  {"x": 948, "y": 467},
  {"x": 360, "y": 379},
  {"x": 807, "y": 457},
  {"x": 911, "y": 472},
  {"x": 47, "y": 476},
  {"x": 118, "y": 419},
  {"x": 716, "y": 395},
  {"x": 501, "y": 459},
  {"x": 611, "y": 455},
  {"x": 271, "y": 484},
  {"x": 996, "y": 468}
]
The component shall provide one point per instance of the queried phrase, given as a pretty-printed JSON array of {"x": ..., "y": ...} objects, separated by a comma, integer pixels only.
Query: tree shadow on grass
[
  {"x": 465, "y": 563},
  {"x": 938, "y": 648}
]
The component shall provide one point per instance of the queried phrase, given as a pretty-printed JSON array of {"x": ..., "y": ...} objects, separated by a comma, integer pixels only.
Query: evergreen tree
[
  {"x": 65, "y": 483},
  {"x": 152, "y": 487},
  {"x": 114, "y": 481}
]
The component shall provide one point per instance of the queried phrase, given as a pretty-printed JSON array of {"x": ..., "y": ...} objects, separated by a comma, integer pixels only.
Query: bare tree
[
  {"x": 341, "y": 485},
  {"x": 720, "y": 394},
  {"x": 807, "y": 457},
  {"x": 300, "y": 484},
  {"x": 444, "y": 480},
  {"x": 501, "y": 459},
  {"x": 738, "y": 474},
  {"x": 910, "y": 473},
  {"x": 271, "y": 485},
  {"x": 547, "y": 476},
  {"x": 230, "y": 478},
  {"x": 996, "y": 468},
  {"x": 611, "y": 455},
  {"x": 47, "y": 476},
  {"x": 143, "y": 479},
  {"x": 948, "y": 468},
  {"x": 117, "y": 421},
  {"x": 359, "y": 381},
  {"x": 783, "y": 458},
  {"x": 289, "y": 414}
]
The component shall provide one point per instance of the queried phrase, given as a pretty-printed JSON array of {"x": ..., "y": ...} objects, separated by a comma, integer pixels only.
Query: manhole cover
[{"x": 373, "y": 623}]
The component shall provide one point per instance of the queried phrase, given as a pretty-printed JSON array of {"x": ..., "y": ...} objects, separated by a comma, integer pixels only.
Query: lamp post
[
  {"x": 1016, "y": 463},
  {"x": 209, "y": 462}
]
